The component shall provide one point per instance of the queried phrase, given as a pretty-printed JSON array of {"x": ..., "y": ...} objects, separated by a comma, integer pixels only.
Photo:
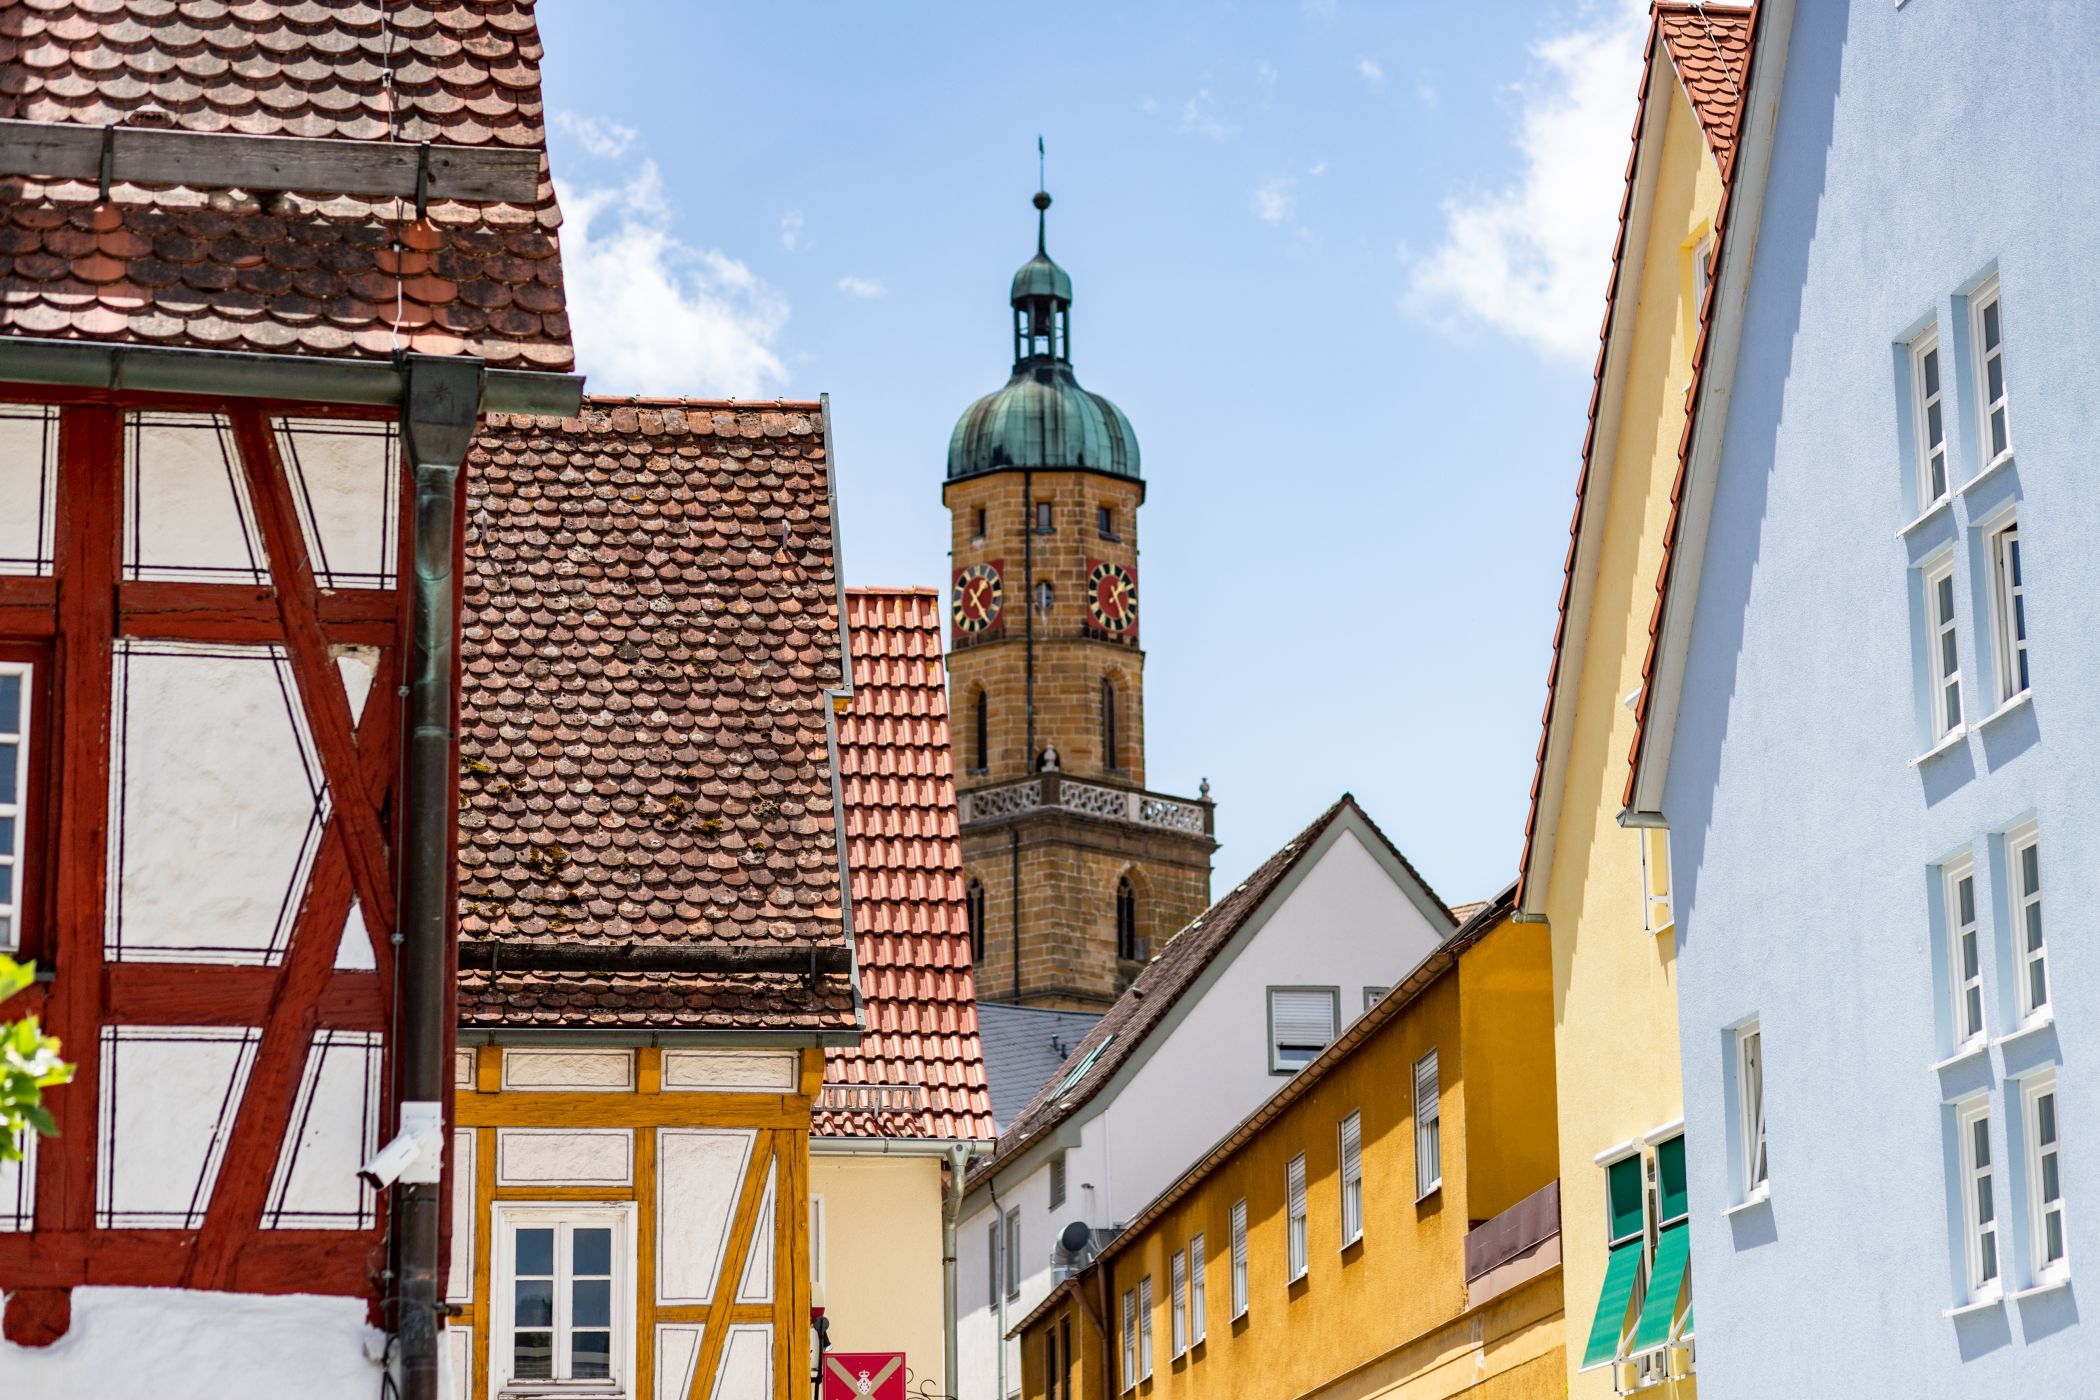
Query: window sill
[
  {"x": 1762, "y": 1196},
  {"x": 1930, "y": 513},
  {"x": 2061, "y": 1281},
  {"x": 1670, "y": 927},
  {"x": 1990, "y": 469},
  {"x": 1434, "y": 1187},
  {"x": 2018, "y": 702},
  {"x": 1952, "y": 740},
  {"x": 2032, "y": 1025},
  {"x": 1962, "y": 1056},
  {"x": 1993, "y": 1299}
]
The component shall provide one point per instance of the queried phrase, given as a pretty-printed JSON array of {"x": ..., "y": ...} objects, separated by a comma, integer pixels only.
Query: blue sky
[{"x": 1342, "y": 265}]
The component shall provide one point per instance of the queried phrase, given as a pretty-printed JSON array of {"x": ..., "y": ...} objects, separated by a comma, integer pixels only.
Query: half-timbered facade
[
  {"x": 250, "y": 258},
  {"x": 655, "y": 929}
]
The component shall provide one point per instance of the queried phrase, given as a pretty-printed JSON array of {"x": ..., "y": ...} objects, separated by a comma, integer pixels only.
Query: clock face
[
  {"x": 1112, "y": 597},
  {"x": 978, "y": 597}
]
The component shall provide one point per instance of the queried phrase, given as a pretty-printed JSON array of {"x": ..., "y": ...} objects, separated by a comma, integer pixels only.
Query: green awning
[
  {"x": 1612, "y": 1302},
  {"x": 1673, "y": 1257}
]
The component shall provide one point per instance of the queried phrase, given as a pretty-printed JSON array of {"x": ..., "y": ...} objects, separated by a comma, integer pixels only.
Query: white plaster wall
[
  {"x": 183, "y": 1344},
  {"x": 1347, "y": 925}
]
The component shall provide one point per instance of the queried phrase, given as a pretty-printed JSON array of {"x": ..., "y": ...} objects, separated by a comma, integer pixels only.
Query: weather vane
[{"x": 1039, "y": 182}]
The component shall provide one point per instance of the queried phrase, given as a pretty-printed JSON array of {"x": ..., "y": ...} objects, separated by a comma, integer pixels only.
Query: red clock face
[
  {"x": 1112, "y": 597},
  {"x": 978, "y": 597}
]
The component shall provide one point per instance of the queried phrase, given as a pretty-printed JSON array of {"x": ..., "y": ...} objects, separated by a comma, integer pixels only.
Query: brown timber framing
[{"x": 220, "y": 160}]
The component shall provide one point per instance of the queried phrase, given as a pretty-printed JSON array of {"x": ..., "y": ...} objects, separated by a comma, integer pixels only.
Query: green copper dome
[{"x": 1042, "y": 420}]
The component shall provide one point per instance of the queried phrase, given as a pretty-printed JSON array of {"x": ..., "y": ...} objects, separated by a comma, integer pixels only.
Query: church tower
[{"x": 1074, "y": 871}]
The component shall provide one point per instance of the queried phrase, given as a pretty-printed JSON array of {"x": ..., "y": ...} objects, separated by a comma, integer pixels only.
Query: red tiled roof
[
  {"x": 650, "y": 645},
  {"x": 1714, "y": 90},
  {"x": 905, "y": 860},
  {"x": 285, "y": 274}
]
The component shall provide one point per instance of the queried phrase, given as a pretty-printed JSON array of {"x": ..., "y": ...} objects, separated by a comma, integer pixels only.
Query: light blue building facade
[{"x": 1874, "y": 733}]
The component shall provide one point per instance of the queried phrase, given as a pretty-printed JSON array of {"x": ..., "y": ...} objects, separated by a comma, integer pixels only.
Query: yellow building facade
[
  {"x": 1601, "y": 887},
  {"x": 1385, "y": 1225},
  {"x": 664, "y": 1189}
]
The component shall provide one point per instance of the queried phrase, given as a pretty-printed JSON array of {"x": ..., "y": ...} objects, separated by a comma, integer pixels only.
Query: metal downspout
[
  {"x": 439, "y": 413},
  {"x": 951, "y": 1219},
  {"x": 1002, "y": 1244}
]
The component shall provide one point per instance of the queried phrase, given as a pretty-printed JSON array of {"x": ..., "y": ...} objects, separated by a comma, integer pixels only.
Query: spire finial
[{"x": 1042, "y": 200}]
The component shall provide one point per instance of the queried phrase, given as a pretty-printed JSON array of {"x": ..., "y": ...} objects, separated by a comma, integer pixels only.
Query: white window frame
[
  {"x": 1239, "y": 1259},
  {"x": 1351, "y": 1176},
  {"x": 16, "y": 813},
  {"x": 1964, "y": 941},
  {"x": 2009, "y": 609},
  {"x": 509, "y": 1218},
  {"x": 1333, "y": 996},
  {"x": 1756, "y": 1156},
  {"x": 1013, "y": 1253},
  {"x": 816, "y": 1238},
  {"x": 1658, "y": 912},
  {"x": 1130, "y": 1339},
  {"x": 1941, "y": 633},
  {"x": 1295, "y": 1218},
  {"x": 1178, "y": 1305},
  {"x": 1980, "y": 1242},
  {"x": 1926, "y": 398},
  {"x": 1144, "y": 1330},
  {"x": 1702, "y": 274},
  {"x": 995, "y": 1270},
  {"x": 1429, "y": 1127},
  {"x": 1983, "y": 299},
  {"x": 2033, "y": 1089},
  {"x": 2029, "y": 959},
  {"x": 1197, "y": 1328}
]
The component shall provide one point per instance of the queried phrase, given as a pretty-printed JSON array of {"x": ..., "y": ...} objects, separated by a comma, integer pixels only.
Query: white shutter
[
  {"x": 1297, "y": 1216},
  {"x": 1429, "y": 1153},
  {"x": 1129, "y": 1339},
  {"x": 1239, "y": 1258},
  {"x": 1301, "y": 1024},
  {"x": 1178, "y": 1315},
  {"x": 1145, "y": 1327},
  {"x": 991, "y": 1256},
  {"x": 1196, "y": 1322},
  {"x": 1352, "y": 1177}
]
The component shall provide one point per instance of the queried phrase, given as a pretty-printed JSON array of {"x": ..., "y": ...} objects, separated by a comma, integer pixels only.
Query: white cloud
[
  {"x": 1530, "y": 259},
  {"x": 607, "y": 140},
  {"x": 1273, "y": 201},
  {"x": 1199, "y": 117},
  {"x": 862, "y": 288},
  {"x": 1370, "y": 69},
  {"x": 791, "y": 231},
  {"x": 655, "y": 315}
]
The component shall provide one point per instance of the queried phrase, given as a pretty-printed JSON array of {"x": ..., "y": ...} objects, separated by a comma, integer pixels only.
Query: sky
[{"x": 1342, "y": 264}]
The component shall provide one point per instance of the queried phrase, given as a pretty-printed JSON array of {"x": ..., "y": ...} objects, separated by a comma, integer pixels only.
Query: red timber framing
[{"x": 74, "y": 617}]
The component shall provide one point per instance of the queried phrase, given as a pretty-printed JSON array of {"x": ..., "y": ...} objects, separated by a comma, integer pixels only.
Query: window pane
[
  {"x": 1990, "y": 327},
  {"x": 1980, "y": 1137},
  {"x": 536, "y": 1251},
  {"x": 7, "y": 833},
  {"x": 593, "y": 1251},
  {"x": 590, "y": 1355},
  {"x": 535, "y": 1302},
  {"x": 532, "y": 1356},
  {"x": 10, "y": 704},
  {"x": 9, "y": 758},
  {"x": 1932, "y": 372},
  {"x": 590, "y": 1302},
  {"x": 2046, "y": 1117}
]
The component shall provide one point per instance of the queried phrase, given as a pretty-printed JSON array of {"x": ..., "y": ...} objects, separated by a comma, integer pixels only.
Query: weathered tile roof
[
  {"x": 1145, "y": 1004},
  {"x": 651, "y": 645},
  {"x": 904, "y": 855},
  {"x": 1703, "y": 43},
  {"x": 316, "y": 274}
]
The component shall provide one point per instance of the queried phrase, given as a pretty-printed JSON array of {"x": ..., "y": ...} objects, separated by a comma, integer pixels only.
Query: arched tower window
[
  {"x": 1111, "y": 755},
  {"x": 973, "y": 914},
  {"x": 1126, "y": 920},
  {"x": 981, "y": 733}
]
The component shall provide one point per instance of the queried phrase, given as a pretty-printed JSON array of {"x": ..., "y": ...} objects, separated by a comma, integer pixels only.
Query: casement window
[
  {"x": 1045, "y": 518},
  {"x": 1931, "y": 427},
  {"x": 1197, "y": 1326},
  {"x": 1144, "y": 1307},
  {"x": 1945, "y": 650},
  {"x": 1657, "y": 911},
  {"x": 1105, "y": 522},
  {"x": 1670, "y": 1275},
  {"x": 1964, "y": 953},
  {"x": 991, "y": 1256},
  {"x": 562, "y": 1311},
  {"x": 1127, "y": 944},
  {"x": 1979, "y": 1197},
  {"x": 1178, "y": 1303},
  {"x": 2009, "y": 611},
  {"x": 1352, "y": 1175},
  {"x": 978, "y": 534},
  {"x": 1750, "y": 1094},
  {"x": 16, "y": 678},
  {"x": 2045, "y": 1186},
  {"x": 1990, "y": 370},
  {"x": 1626, "y": 1266},
  {"x": 1294, "y": 1196},
  {"x": 1429, "y": 1128},
  {"x": 1702, "y": 274},
  {"x": 2023, "y": 853},
  {"x": 1057, "y": 1181},
  {"x": 1013, "y": 1253},
  {"x": 1239, "y": 1259},
  {"x": 1130, "y": 1376},
  {"x": 1302, "y": 1023}
]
